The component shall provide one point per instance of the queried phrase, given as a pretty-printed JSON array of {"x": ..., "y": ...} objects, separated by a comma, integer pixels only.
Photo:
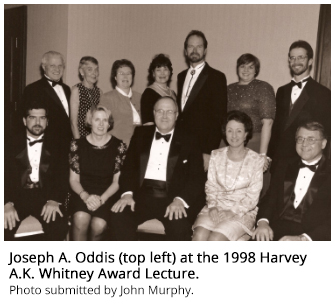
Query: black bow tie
[
  {"x": 298, "y": 84},
  {"x": 166, "y": 137},
  {"x": 311, "y": 167},
  {"x": 54, "y": 83},
  {"x": 31, "y": 143}
]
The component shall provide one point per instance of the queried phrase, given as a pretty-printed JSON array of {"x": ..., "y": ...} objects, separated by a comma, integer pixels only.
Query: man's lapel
[
  {"x": 197, "y": 87},
  {"x": 51, "y": 92},
  {"x": 23, "y": 159},
  {"x": 44, "y": 163},
  {"x": 181, "y": 81},
  {"x": 173, "y": 155},
  {"x": 145, "y": 151},
  {"x": 320, "y": 175},
  {"x": 298, "y": 105},
  {"x": 291, "y": 176}
]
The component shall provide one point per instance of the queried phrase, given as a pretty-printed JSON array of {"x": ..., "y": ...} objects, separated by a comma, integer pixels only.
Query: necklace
[{"x": 231, "y": 189}]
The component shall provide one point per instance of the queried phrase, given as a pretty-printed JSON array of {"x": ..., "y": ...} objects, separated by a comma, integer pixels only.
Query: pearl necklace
[{"x": 233, "y": 186}]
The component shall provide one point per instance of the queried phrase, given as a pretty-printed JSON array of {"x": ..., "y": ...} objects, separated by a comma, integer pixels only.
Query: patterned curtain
[{"x": 322, "y": 58}]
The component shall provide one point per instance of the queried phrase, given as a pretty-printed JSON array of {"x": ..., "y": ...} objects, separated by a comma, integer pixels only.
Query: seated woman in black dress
[
  {"x": 95, "y": 163},
  {"x": 160, "y": 73}
]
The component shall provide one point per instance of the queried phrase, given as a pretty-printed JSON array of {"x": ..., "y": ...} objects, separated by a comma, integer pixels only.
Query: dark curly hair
[
  {"x": 242, "y": 118},
  {"x": 304, "y": 45},
  {"x": 160, "y": 60},
  {"x": 118, "y": 64}
]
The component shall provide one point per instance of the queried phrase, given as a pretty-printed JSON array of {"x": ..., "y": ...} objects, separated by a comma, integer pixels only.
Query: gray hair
[{"x": 49, "y": 54}]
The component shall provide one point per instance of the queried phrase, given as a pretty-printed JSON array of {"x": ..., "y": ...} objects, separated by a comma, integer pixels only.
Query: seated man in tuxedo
[
  {"x": 162, "y": 177},
  {"x": 36, "y": 177},
  {"x": 297, "y": 204}
]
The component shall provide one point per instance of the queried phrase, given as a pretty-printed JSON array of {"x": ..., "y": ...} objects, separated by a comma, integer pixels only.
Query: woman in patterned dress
[
  {"x": 255, "y": 98},
  {"x": 95, "y": 162},
  {"x": 235, "y": 178},
  {"x": 84, "y": 95}
]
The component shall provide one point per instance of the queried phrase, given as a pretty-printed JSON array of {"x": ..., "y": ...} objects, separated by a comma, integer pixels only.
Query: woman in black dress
[
  {"x": 95, "y": 163},
  {"x": 84, "y": 95},
  {"x": 160, "y": 73}
]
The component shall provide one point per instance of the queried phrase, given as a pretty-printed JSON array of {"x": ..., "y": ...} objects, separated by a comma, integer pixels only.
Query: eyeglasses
[
  {"x": 124, "y": 73},
  {"x": 299, "y": 58},
  {"x": 310, "y": 141},
  {"x": 161, "y": 112}
]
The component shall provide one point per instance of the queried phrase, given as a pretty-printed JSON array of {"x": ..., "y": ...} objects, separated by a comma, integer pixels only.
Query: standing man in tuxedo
[
  {"x": 300, "y": 100},
  {"x": 202, "y": 96},
  {"x": 36, "y": 176},
  {"x": 55, "y": 95},
  {"x": 162, "y": 177},
  {"x": 297, "y": 206}
]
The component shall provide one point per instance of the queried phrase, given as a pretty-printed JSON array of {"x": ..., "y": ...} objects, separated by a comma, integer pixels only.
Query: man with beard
[
  {"x": 36, "y": 176},
  {"x": 298, "y": 101},
  {"x": 202, "y": 96}
]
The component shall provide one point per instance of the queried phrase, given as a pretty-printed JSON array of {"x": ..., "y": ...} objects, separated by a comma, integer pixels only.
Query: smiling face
[
  {"x": 308, "y": 152},
  {"x": 124, "y": 78},
  {"x": 235, "y": 134},
  {"x": 195, "y": 50},
  {"x": 165, "y": 114},
  {"x": 300, "y": 68},
  {"x": 35, "y": 122},
  {"x": 54, "y": 67},
  {"x": 161, "y": 75},
  {"x": 246, "y": 73},
  {"x": 89, "y": 72},
  {"x": 100, "y": 123}
]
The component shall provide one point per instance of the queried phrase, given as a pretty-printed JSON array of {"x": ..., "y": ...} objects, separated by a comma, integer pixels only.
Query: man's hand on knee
[
  {"x": 50, "y": 210},
  {"x": 263, "y": 232},
  {"x": 10, "y": 216},
  {"x": 125, "y": 200},
  {"x": 177, "y": 209}
]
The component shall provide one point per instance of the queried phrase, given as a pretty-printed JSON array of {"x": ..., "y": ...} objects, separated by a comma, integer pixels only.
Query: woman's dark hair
[
  {"x": 242, "y": 118},
  {"x": 246, "y": 59},
  {"x": 83, "y": 61},
  {"x": 118, "y": 64},
  {"x": 160, "y": 60}
]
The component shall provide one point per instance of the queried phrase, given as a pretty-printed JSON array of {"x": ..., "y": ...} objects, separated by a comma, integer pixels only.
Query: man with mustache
[
  {"x": 298, "y": 101},
  {"x": 202, "y": 96},
  {"x": 36, "y": 177}
]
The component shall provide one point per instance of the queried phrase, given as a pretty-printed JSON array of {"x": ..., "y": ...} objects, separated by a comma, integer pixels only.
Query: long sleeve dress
[{"x": 233, "y": 187}]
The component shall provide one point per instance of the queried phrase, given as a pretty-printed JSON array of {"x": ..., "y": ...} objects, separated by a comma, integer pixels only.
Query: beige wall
[{"x": 138, "y": 32}]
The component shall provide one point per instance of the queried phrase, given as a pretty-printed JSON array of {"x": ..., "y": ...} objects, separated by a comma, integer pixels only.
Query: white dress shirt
[
  {"x": 136, "y": 116},
  {"x": 189, "y": 82},
  {"x": 61, "y": 95},
  {"x": 296, "y": 91},
  {"x": 34, "y": 157}
]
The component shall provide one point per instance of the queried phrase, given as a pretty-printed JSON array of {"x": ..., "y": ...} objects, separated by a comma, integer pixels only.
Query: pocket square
[{"x": 184, "y": 161}]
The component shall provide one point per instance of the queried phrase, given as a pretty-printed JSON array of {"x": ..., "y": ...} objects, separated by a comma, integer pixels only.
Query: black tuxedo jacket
[
  {"x": 316, "y": 219},
  {"x": 59, "y": 123},
  {"x": 206, "y": 108},
  {"x": 312, "y": 104},
  {"x": 53, "y": 170},
  {"x": 185, "y": 174}
]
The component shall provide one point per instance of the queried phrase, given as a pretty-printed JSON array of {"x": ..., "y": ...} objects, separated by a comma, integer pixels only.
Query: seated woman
[
  {"x": 84, "y": 95},
  {"x": 235, "y": 178},
  {"x": 95, "y": 163},
  {"x": 160, "y": 73},
  {"x": 123, "y": 102}
]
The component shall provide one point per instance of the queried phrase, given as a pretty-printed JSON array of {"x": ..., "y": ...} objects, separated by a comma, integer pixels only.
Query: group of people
[{"x": 125, "y": 158}]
